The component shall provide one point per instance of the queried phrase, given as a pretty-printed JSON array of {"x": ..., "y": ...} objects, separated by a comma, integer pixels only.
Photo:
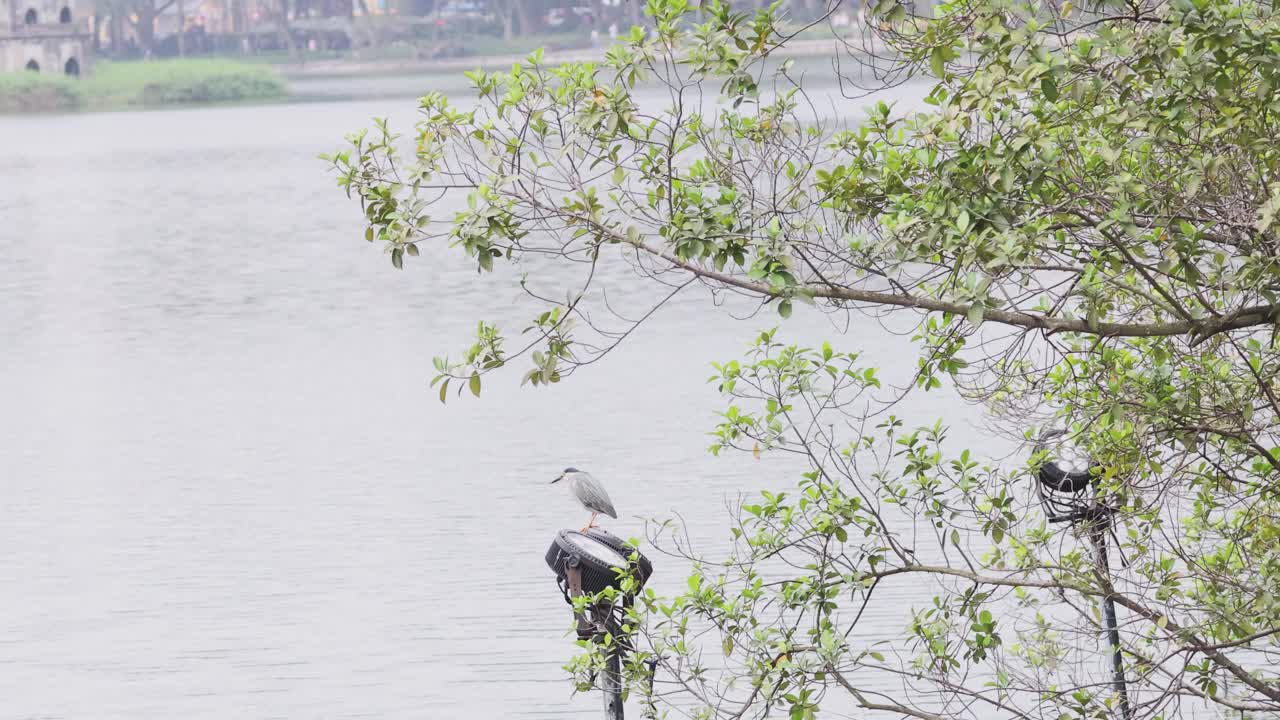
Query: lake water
[{"x": 226, "y": 489}]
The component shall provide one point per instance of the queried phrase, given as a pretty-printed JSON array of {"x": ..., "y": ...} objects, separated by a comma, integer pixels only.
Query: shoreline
[
  {"x": 84, "y": 95},
  {"x": 809, "y": 48},
  {"x": 132, "y": 86}
]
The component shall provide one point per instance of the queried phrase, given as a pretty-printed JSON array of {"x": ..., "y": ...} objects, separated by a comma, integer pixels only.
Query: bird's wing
[
  {"x": 606, "y": 507},
  {"x": 592, "y": 494}
]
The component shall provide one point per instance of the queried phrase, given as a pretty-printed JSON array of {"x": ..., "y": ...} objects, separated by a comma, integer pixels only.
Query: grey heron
[{"x": 589, "y": 492}]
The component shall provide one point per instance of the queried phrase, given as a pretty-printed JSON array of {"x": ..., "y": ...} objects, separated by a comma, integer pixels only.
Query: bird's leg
[{"x": 590, "y": 523}]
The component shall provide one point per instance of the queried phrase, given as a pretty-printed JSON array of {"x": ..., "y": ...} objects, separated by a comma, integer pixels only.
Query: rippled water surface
[{"x": 226, "y": 490}]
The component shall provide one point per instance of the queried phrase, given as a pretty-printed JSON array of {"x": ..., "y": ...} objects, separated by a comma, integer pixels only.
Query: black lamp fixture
[
  {"x": 1064, "y": 479},
  {"x": 599, "y": 558}
]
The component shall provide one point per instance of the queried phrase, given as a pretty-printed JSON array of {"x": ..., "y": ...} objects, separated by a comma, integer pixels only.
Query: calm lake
[{"x": 226, "y": 489}]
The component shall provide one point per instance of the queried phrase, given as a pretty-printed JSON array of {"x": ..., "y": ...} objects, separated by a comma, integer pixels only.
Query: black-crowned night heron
[{"x": 589, "y": 492}]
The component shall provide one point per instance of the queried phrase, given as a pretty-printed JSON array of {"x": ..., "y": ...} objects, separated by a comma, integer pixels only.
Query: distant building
[{"x": 48, "y": 36}]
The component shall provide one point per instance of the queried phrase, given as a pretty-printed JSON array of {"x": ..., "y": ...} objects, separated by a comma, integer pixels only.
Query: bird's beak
[{"x": 558, "y": 479}]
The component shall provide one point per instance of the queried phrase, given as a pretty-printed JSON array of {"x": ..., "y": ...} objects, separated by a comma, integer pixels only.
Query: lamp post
[
  {"x": 587, "y": 563},
  {"x": 1064, "y": 485}
]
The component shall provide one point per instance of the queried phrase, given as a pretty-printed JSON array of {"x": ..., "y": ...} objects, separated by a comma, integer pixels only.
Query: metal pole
[
  {"x": 1099, "y": 533},
  {"x": 612, "y": 684},
  {"x": 594, "y": 628}
]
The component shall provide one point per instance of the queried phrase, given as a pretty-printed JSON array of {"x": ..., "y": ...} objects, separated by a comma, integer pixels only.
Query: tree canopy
[{"x": 1080, "y": 221}]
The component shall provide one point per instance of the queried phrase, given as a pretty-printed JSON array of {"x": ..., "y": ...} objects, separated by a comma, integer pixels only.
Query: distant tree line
[{"x": 134, "y": 27}]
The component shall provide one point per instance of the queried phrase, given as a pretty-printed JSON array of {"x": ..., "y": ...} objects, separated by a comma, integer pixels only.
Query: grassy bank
[{"x": 116, "y": 85}]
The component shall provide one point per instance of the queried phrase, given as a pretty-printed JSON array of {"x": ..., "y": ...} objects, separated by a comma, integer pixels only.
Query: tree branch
[
  {"x": 1198, "y": 330},
  {"x": 862, "y": 701}
]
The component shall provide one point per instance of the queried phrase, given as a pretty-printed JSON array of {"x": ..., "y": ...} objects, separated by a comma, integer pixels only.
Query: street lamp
[
  {"x": 586, "y": 564},
  {"x": 1066, "y": 485}
]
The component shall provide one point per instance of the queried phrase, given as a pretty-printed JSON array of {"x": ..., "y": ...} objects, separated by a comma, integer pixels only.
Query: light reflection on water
[{"x": 228, "y": 490}]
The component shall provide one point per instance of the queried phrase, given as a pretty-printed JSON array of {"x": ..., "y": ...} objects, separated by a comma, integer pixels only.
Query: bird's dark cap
[{"x": 571, "y": 469}]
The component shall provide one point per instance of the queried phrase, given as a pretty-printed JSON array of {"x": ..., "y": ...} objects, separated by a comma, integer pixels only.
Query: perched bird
[{"x": 589, "y": 492}]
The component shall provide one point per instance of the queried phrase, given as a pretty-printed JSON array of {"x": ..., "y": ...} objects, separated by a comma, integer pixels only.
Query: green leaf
[
  {"x": 784, "y": 308},
  {"x": 474, "y": 383},
  {"x": 974, "y": 315},
  {"x": 938, "y": 62},
  {"x": 1267, "y": 212},
  {"x": 444, "y": 388},
  {"x": 397, "y": 258},
  {"x": 1049, "y": 88},
  {"x": 368, "y": 233}
]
